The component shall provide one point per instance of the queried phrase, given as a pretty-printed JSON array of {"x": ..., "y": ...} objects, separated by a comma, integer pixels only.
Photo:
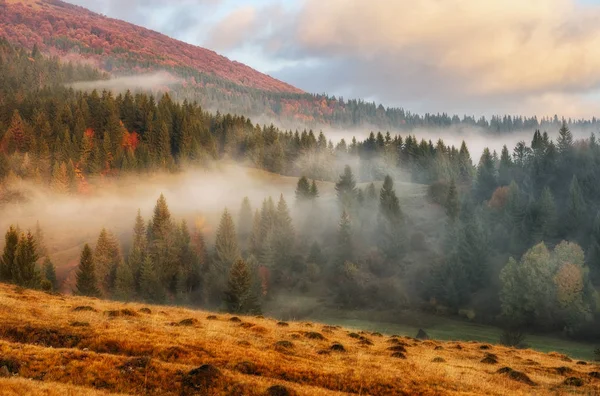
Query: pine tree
[
  {"x": 486, "y": 176},
  {"x": 546, "y": 209},
  {"x": 314, "y": 190},
  {"x": 283, "y": 233},
  {"x": 7, "y": 264},
  {"x": 345, "y": 246},
  {"x": 239, "y": 297},
  {"x": 137, "y": 253},
  {"x": 25, "y": 260},
  {"x": 303, "y": 192},
  {"x": 226, "y": 247},
  {"x": 107, "y": 258},
  {"x": 565, "y": 139},
  {"x": 87, "y": 284},
  {"x": 39, "y": 241},
  {"x": 346, "y": 188},
  {"x": 452, "y": 205},
  {"x": 390, "y": 231},
  {"x": 124, "y": 288},
  {"x": 593, "y": 252},
  {"x": 60, "y": 178},
  {"x": 256, "y": 237},
  {"x": 576, "y": 208},
  {"x": 162, "y": 243},
  {"x": 245, "y": 223},
  {"x": 151, "y": 289},
  {"x": 505, "y": 168},
  {"x": 50, "y": 273}
]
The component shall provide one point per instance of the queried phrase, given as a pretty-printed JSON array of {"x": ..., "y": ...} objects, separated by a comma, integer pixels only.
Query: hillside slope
[
  {"x": 80, "y": 345},
  {"x": 56, "y": 26}
]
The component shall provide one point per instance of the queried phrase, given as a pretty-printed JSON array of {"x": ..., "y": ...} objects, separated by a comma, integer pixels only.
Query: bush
[
  {"x": 512, "y": 337},
  {"x": 597, "y": 355}
]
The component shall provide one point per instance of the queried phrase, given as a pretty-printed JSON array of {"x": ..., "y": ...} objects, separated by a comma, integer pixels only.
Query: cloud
[
  {"x": 175, "y": 18},
  {"x": 154, "y": 81},
  {"x": 232, "y": 30}
]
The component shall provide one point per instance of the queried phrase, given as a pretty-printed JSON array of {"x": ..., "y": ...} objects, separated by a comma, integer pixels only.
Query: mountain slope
[
  {"x": 85, "y": 345},
  {"x": 57, "y": 26}
]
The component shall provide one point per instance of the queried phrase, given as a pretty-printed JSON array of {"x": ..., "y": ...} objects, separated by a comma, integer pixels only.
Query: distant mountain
[
  {"x": 56, "y": 26},
  {"x": 215, "y": 82}
]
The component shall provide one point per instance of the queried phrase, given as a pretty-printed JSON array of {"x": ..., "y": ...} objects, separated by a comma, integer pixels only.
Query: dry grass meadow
[{"x": 60, "y": 345}]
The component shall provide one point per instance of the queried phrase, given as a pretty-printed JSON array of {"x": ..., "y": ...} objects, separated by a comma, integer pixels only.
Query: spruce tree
[
  {"x": 151, "y": 289},
  {"x": 137, "y": 253},
  {"x": 452, "y": 205},
  {"x": 107, "y": 257},
  {"x": 283, "y": 233},
  {"x": 346, "y": 188},
  {"x": 124, "y": 288},
  {"x": 345, "y": 246},
  {"x": 245, "y": 223},
  {"x": 239, "y": 297},
  {"x": 314, "y": 190},
  {"x": 576, "y": 209},
  {"x": 390, "y": 232},
  {"x": 87, "y": 284},
  {"x": 303, "y": 192},
  {"x": 226, "y": 247},
  {"x": 505, "y": 168},
  {"x": 486, "y": 177},
  {"x": 593, "y": 252},
  {"x": 25, "y": 262},
  {"x": 7, "y": 263},
  {"x": 256, "y": 237},
  {"x": 50, "y": 273},
  {"x": 39, "y": 241},
  {"x": 60, "y": 178}
]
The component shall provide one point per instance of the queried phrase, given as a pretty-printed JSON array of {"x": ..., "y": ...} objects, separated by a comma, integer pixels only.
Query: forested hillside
[
  {"x": 515, "y": 240},
  {"x": 215, "y": 82}
]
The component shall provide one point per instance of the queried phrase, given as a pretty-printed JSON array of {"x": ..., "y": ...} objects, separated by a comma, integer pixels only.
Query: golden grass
[{"x": 52, "y": 348}]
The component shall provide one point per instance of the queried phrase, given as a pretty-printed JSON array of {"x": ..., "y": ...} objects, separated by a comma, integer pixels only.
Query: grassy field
[
  {"x": 58, "y": 345},
  {"x": 460, "y": 330}
]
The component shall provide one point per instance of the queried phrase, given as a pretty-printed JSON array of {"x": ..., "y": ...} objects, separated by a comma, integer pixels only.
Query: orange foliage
[
  {"x": 499, "y": 198},
  {"x": 130, "y": 141},
  {"x": 56, "y": 26}
]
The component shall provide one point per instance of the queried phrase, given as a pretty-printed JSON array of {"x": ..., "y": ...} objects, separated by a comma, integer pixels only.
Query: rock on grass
[{"x": 516, "y": 375}]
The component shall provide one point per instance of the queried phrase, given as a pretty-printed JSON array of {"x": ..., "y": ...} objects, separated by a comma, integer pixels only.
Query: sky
[{"x": 530, "y": 57}]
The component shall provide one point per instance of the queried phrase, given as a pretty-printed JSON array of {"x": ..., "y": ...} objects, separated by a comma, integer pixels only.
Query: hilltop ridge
[{"x": 116, "y": 45}]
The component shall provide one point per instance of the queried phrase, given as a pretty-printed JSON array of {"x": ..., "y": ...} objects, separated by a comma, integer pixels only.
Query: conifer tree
[
  {"x": 151, "y": 289},
  {"x": 60, "y": 178},
  {"x": 547, "y": 215},
  {"x": 452, "y": 205},
  {"x": 390, "y": 232},
  {"x": 505, "y": 168},
  {"x": 593, "y": 252},
  {"x": 303, "y": 192},
  {"x": 124, "y": 288},
  {"x": 39, "y": 241},
  {"x": 162, "y": 243},
  {"x": 283, "y": 232},
  {"x": 245, "y": 223},
  {"x": 346, "y": 188},
  {"x": 239, "y": 297},
  {"x": 486, "y": 176},
  {"x": 50, "y": 273},
  {"x": 107, "y": 258},
  {"x": 345, "y": 246},
  {"x": 256, "y": 237},
  {"x": 576, "y": 208},
  {"x": 26, "y": 274},
  {"x": 8, "y": 265},
  {"x": 314, "y": 190},
  {"x": 226, "y": 247},
  {"x": 137, "y": 253},
  {"x": 87, "y": 284}
]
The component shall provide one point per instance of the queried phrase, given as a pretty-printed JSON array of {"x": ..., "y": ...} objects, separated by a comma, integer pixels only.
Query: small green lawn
[{"x": 450, "y": 329}]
